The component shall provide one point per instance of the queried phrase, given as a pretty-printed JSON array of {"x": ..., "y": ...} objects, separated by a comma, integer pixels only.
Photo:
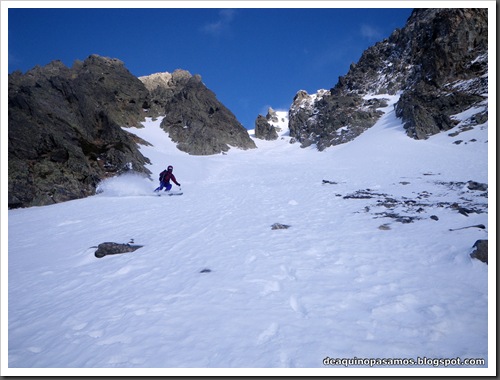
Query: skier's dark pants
[{"x": 167, "y": 186}]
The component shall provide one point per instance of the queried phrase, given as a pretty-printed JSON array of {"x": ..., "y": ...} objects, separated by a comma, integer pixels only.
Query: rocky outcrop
[
  {"x": 65, "y": 130},
  {"x": 161, "y": 87},
  {"x": 450, "y": 47},
  {"x": 327, "y": 118},
  {"x": 263, "y": 129},
  {"x": 269, "y": 127},
  {"x": 195, "y": 119},
  {"x": 438, "y": 62}
]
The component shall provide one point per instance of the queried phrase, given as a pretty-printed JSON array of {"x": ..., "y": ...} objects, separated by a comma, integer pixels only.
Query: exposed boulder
[
  {"x": 279, "y": 226},
  {"x": 480, "y": 250},
  {"x": 473, "y": 185},
  {"x": 110, "y": 248}
]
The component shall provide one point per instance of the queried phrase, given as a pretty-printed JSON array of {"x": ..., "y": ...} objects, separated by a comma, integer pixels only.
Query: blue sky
[{"x": 251, "y": 58}]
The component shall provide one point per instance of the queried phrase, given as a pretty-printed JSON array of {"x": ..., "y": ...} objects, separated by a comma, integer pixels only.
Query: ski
[
  {"x": 170, "y": 194},
  {"x": 160, "y": 194}
]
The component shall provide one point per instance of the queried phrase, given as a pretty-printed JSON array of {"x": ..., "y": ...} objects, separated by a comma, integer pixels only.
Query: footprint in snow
[
  {"x": 120, "y": 338},
  {"x": 79, "y": 326},
  {"x": 250, "y": 259},
  {"x": 288, "y": 273},
  {"x": 268, "y": 333},
  {"x": 297, "y": 307},
  {"x": 270, "y": 287}
]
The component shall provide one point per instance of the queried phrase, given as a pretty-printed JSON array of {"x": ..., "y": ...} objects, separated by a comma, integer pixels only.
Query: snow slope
[{"x": 215, "y": 288}]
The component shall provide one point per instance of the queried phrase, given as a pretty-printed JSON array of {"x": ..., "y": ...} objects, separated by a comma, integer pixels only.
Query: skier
[{"x": 165, "y": 177}]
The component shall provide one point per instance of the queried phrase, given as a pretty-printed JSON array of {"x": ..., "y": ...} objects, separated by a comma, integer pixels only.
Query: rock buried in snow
[
  {"x": 480, "y": 250},
  {"x": 279, "y": 226},
  {"x": 472, "y": 185},
  {"x": 474, "y": 226},
  {"x": 109, "y": 248}
]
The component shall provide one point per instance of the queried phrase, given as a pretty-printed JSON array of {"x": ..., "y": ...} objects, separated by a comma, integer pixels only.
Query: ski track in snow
[{"x": 333, "y": 284}]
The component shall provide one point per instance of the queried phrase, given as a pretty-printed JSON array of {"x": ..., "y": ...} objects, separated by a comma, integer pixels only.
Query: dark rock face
[
  {"x": 427, "y": 113},
  {"x": 450, "y": 47},
  {"x": 438, "y": 62},
  {"x": 65, "y": 130},
  {"x": 195, "y": 119}
]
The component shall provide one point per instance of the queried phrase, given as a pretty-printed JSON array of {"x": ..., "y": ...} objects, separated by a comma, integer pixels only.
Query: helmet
[{"x": 170, "y": 167}]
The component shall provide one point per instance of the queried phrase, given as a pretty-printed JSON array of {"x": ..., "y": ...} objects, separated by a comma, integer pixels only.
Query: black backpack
[{"x": 162, "y": 175}]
